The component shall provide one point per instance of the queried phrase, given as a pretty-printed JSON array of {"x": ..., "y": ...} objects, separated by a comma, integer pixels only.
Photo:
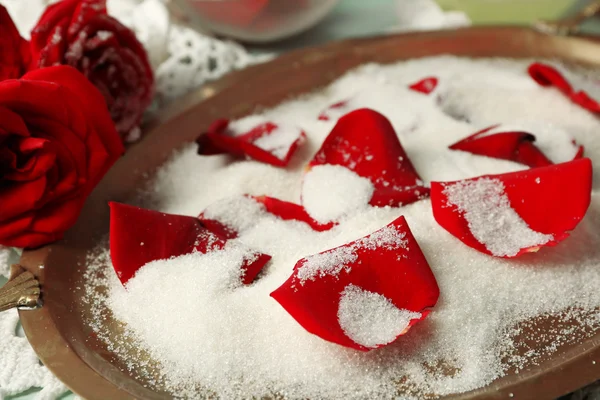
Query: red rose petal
[
  {"x": 365, "y": 142},
  {"x": 281, "y": 209},
  {"x": 580, "y": 151},
  {"x": 548, "y": 75},
  {"x": 291, "y": 212},
  {"x": 388, "y": 262},
  {"x": 512, "y": 145},
  {"x": 268, "y": 142},
  {"x": 549, "y": 201},
  {"x": 139, "y": 236},
  {"x": 425, "y": 86}
]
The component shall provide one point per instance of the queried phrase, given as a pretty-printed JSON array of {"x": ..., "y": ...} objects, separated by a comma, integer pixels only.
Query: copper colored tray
[{"x": 58, "y": 331}]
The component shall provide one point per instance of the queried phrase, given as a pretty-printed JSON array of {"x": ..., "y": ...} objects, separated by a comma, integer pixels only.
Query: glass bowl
[{"x": 256, "y": 21}]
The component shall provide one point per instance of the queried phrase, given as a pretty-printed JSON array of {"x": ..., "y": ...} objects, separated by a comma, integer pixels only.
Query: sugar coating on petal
[
  {"x": 492, "y": 221},
  {"x": 370, "y": 319},
  {"x": 334, "y": 261},
  {"x": 331, "y": 191}
]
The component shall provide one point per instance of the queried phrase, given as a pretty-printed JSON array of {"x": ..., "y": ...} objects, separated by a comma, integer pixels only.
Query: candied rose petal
[
  {"x": 511, "y": 145},
  {"x": 291, "y": 212},
  {"x": 388, "y": 262},
  {"x": 365, "y": 142},
  {"x": 548, "y": 75},
  {"x": 254, "y": 143},
  {"x": 425, "y": 86},
  {"x": 139, "y": 236},
  {"x": 550, "y": 200},
  {"x": 281, "y": 209}
]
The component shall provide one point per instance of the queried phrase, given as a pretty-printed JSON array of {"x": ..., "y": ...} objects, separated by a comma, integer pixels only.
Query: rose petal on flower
[
  {"x": 511, "y": 145},
  {"x": 364, "y": 294},
  {"x": 20, "y": 198},
  {"x": 268, "y": 142},
  {"x": 90, "y": 100},
  {"x": 582, "y": 92},
  {"x": 291, "y": 212},
  {"x": 510, "y": 214},
  {"x": 425, "y": 86},
  {"x": 41, "y": 158},
  {"x": 365, "y": 142},
  {"x": 139, "y": 236}
]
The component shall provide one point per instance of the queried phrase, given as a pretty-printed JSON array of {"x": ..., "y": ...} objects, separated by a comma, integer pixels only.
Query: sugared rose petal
[
  {"x": 365, "y": 143},
  {"x": 512, "y": 146},
  {"x": 291, "y": 212},
  {"x": 510, "y": 214},
  {"x": 364, "y": 294},
  {"x": 139, "y": 236},
  {"x": 581, "y": 91},
  {"x": 267, "y": 142},
  {"x": 518, "y": 143},
  {"x": 231, "y": 217},
  {"x": 425, "y": 86}
]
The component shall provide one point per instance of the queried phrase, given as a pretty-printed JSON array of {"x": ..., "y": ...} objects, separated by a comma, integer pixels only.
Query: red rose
[
  {"x": 56, "y": 142},
  {"x": 14, "y": 50},
  {"x": 81, "y": 34}
]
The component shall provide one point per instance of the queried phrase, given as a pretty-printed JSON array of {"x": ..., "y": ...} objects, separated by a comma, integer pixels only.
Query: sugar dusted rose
[{"x": 81, "y": 34}]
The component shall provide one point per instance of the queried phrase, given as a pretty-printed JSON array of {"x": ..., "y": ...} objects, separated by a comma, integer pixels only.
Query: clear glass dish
[{"x": 256, "y": 21}]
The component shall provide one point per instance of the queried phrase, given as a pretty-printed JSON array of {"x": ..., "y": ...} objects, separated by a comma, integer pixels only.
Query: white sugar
[
  {"x": 280, "y": 140},
  {"x": 491, "y": 219},
  {"x": 329, "y": 263},
  {"x": 237, "y": 212},
  {"x": 579, "y": 83},
  {"x": 332, "y": 191},
  {"x": 371, "y": 319},
  {"x": 211, "y": 338}
]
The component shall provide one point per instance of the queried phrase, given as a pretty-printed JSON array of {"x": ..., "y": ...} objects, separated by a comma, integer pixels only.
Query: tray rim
[{"x": 58, "y": 355}]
